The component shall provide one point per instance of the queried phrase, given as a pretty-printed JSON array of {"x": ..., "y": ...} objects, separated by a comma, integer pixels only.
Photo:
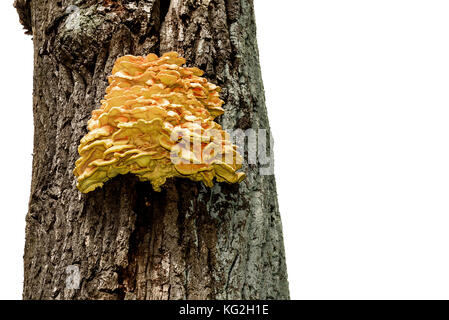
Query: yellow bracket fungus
[{"x": 157, "y": 122}]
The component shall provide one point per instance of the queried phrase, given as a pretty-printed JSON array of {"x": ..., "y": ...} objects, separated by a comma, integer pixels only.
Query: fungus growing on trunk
[{"x": 157, "y": 122}]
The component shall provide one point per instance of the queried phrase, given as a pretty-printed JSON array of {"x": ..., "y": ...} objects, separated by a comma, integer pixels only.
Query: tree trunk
[{"x": 127, "y": 241}]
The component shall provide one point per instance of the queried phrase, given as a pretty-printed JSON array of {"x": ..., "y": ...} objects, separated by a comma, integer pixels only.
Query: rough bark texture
[{"x": 129, "y": 242}]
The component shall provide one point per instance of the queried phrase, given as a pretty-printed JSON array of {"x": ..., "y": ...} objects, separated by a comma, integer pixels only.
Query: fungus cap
[{"x": 157, "y": 122}]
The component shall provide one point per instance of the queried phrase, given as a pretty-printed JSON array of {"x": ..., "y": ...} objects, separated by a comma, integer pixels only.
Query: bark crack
[{"x": 229, "y": 274}]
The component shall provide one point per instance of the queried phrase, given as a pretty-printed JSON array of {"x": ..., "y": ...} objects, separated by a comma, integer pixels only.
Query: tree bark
[{"x": 129, "y": 242}]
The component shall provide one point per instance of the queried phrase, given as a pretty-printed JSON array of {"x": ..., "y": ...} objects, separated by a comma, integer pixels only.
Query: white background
[{"x": 357, "y": 95}]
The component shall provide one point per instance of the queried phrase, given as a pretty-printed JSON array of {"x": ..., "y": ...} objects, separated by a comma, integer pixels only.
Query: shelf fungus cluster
[{"x": 157, "y": 122}]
